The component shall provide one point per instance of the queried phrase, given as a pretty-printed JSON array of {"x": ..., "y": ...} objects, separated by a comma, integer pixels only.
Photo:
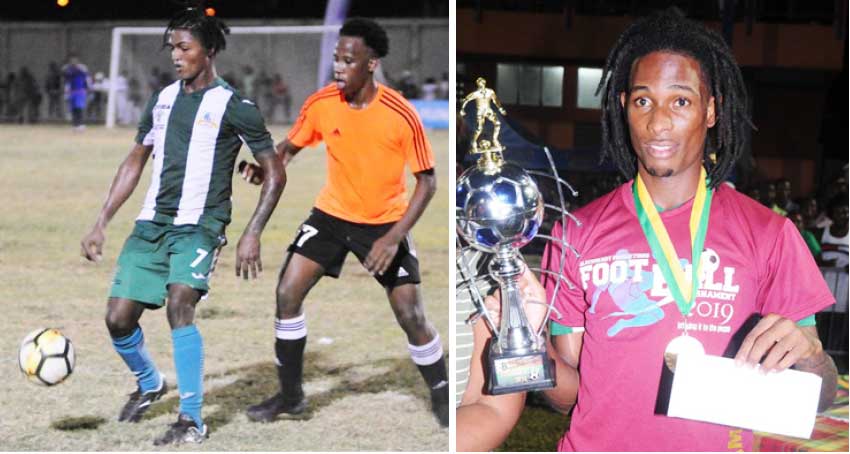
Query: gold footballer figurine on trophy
[{"x": 483, "y": 96}]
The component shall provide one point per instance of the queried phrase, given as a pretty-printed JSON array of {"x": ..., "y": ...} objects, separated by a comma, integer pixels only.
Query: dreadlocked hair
[
  {"x": 209, "y": 30},
  {"x": 670, "y": 31},
  {"x": 374, "y": 36}
]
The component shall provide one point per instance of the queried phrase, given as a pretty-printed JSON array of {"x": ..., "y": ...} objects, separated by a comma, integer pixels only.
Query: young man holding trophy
[{"x": 674, "y": 117}]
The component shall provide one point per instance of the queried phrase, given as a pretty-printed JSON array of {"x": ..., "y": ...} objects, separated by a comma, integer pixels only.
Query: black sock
[
  {"x": 435, "y": 374},
  {"x": 290, "y": 356}
]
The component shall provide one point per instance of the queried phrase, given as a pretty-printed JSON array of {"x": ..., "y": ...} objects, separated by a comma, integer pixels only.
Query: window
[
  {"x": 530, "y": 85},
  {"x": 507, "y": 83},
  {"x": 553, "y": 84},
  {"x": 588, "y": 80}
]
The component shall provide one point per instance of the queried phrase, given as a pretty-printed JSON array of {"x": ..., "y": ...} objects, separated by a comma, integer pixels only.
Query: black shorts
[{"x": 326, "y": 240}]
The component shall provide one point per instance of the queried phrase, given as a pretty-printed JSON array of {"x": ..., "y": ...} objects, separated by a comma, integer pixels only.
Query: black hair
[
  {"x": 209, "y": 30},
  {"x": 374, "y": 36},
  {"x": 669, "y": 30}
]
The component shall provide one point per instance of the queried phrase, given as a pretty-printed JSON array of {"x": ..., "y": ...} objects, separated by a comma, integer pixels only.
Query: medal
[
  {"x": 679, "y": 345},
  {"x": 683, "y": 292}
]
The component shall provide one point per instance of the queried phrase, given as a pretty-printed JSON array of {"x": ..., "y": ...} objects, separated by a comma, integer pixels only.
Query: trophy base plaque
[{"x": 510, "y": 373}]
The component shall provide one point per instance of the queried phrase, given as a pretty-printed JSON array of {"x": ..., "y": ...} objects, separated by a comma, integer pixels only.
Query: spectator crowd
[{"x": 71, "y": 92}]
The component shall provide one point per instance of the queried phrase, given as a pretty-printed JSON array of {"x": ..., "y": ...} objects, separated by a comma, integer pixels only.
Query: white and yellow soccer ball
[{"x": 46, "y": 356}]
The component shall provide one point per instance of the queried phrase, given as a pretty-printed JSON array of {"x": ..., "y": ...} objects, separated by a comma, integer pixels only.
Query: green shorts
[{"x": 156, "y": 255}]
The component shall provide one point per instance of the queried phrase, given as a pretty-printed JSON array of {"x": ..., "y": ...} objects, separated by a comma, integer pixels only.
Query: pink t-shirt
[{"x": 754, "y": 262}]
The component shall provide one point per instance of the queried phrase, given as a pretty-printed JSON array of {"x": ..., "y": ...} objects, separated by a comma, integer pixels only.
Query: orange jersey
[{"x": 367, "y": 152}]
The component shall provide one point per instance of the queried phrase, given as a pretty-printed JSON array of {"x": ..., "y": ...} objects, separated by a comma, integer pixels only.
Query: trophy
[{"x": 499, "y": 210}]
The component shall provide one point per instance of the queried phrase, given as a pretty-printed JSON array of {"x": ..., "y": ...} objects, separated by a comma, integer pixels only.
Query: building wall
[
  {"x": 544, "y": 36},
  {"x": 788, "y": 117}
]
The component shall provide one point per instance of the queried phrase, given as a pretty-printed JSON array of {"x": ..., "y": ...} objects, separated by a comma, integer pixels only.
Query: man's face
[
  {"x": 353, "y": 64},
  {"x": 187, "y": 54},
  {"x": 810, "y": 208},
  {"x": 839, "y": 215},
  {"x": 785, "y": 190},
  {"x": 669, "y": 112},
  {"x": 770, "y": 192}
]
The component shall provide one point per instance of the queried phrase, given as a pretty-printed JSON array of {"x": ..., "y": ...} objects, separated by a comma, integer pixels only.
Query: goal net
[{"x": 275, "y": 66}]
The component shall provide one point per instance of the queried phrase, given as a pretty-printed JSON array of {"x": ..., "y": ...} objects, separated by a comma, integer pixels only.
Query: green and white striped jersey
[{"x": 196, "y": 138}]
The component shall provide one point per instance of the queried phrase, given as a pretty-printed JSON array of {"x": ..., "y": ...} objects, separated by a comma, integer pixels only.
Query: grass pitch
[{"x": 365, "y": 393}]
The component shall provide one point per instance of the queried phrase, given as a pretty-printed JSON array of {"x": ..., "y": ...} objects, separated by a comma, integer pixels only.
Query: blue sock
[
  {"x": 189, "y": 362},
  {"x": 135, "y": 355}
]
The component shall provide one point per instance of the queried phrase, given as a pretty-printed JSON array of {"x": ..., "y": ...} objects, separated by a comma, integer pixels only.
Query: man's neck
[
  {"x": 673, "y": 191},
  {"x": 364, "y": 96},
  {"x": 203, "y": 80}
]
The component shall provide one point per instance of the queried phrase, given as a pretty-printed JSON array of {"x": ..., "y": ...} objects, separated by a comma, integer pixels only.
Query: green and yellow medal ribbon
[{"x": 662, "y": 248}]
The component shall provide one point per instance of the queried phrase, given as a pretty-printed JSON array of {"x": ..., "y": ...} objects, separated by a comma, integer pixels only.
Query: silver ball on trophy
[{"x": 498, "y": 208}]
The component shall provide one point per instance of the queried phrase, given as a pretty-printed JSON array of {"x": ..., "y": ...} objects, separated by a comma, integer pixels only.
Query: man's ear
[
  {"x": 373, "y": 64},
  {"x": 623, "y": 100},
  {"x": 710, "y": 115}
]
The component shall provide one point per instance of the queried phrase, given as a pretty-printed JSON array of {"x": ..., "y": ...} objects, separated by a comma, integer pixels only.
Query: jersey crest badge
[{"x": 207, "y": 120}]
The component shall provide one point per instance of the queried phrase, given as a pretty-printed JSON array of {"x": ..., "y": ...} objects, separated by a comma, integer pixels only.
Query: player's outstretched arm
[
  {"x": 483, "y": 421},
  {"x": 821, "y": 364},
  {"x": 248, "y": 248},
  {"x": 779, "y": 343},
  {"x": 564, "y": 350},
  {"x": 384, "y": 248},
  {"x": 498, "y": 104},
  {"x": 253, "y": 174},
  {"x": 468, "y": 98},
  {"x": 125, "y": 181},
  {"x": 287, "y": 150}
]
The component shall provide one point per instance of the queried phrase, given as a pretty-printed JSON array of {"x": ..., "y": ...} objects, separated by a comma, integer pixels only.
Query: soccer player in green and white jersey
[{"x": 194, "y": 128}]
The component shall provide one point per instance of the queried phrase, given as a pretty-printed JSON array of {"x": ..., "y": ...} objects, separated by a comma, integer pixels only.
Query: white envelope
[{"x": 713, "y": 389}]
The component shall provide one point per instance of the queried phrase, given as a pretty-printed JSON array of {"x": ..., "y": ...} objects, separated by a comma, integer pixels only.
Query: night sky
[{"x": 85, "y": 10}]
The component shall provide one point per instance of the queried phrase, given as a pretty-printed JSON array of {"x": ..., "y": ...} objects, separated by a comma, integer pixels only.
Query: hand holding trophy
[{"x": 533, "y": 296}]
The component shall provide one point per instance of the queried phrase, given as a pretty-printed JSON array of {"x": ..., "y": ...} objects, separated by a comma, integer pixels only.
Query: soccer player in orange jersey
[{"x": 371, "y": 133}]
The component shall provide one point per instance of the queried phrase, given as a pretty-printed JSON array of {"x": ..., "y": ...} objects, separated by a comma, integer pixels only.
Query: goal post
[{"x": 120, "y": 36}]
